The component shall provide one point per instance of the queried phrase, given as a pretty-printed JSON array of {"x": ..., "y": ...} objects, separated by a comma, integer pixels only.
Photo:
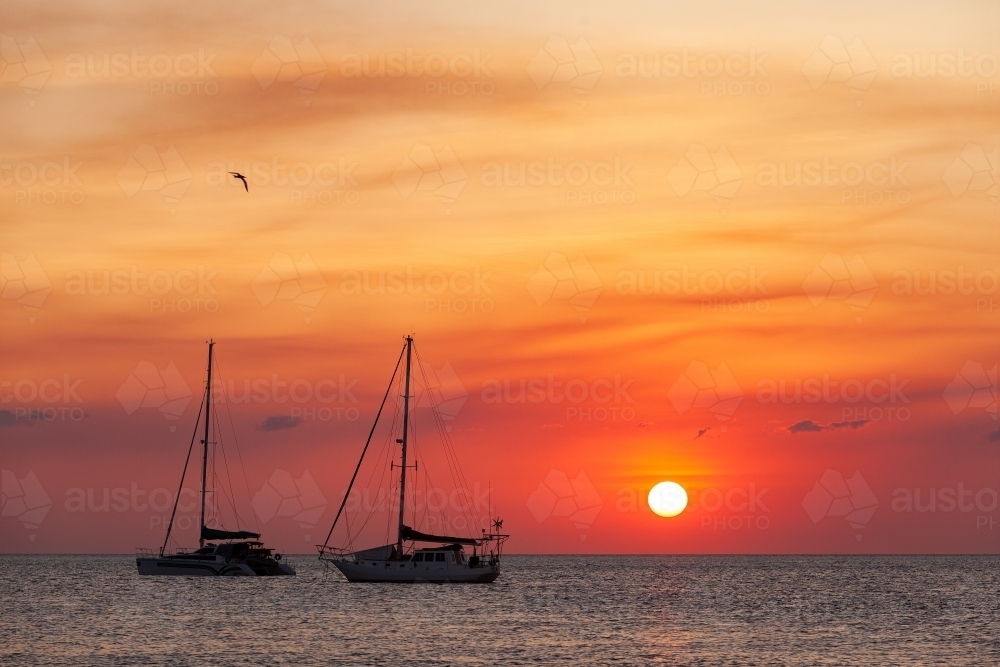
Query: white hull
[
  {"x": 416, "y": 573},
  {"x": 201, "y": 566}
]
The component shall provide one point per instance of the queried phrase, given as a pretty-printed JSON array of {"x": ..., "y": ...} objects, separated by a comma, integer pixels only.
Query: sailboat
[
  {"x": 220, "y": 552},
  {"x": 415, "y": 556}
]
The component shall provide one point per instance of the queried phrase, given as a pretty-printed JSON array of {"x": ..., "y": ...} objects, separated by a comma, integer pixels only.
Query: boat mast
[
  {"x": 204, "y": 460},
  {"x": 406, "y": 423}
]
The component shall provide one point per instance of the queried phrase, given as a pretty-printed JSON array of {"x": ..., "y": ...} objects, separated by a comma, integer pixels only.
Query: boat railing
[
  {"x": 146, "y": 552},
  {"x": 332, "y": 552}
]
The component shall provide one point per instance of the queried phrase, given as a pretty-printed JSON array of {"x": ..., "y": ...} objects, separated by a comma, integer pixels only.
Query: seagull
[{"x": 243, "y": 178}]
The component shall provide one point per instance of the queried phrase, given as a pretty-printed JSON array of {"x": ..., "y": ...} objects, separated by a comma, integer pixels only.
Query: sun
[{"x": 667, "y": 499}]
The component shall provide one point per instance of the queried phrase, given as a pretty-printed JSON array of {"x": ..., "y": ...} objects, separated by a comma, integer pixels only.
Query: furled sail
[
  {"x": 415, "y": 535},
  {"x": 213, "y": 534}
]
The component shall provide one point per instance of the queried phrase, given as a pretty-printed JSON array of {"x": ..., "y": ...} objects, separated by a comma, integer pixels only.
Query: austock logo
[
  {"x": 327, "y": 182},
  {"x": 24, "y": 281},
  {"x": 440, "y": 388},
  {"x": 559, "y": 279},
  {"x": 880, "y": 181},
  {"x": 735, "y": 291},
  {"x": 193, "y": 70},
  {"x": 881, "y": 399},
  {"x": 438, "y": 67},
  {"x": 183, "y": 291},
  {"x": 835, "y": 61},
  {"x": 720, "y": 74},
  {"x": 285, "y": 279},
  {"x": 38, "y": 401},
  {"x": 283, "y": 496},
  {"x": 601, "y": 182},
  {"x": 48, "y": 182},
  {"x": 285, "y": 62},
  {"x": 974, "y": 386},
  {"x": 148, "y": 387},
  {"x": 834, "y": 496},
  {"x": 834, "y": 278},
  {"x": 559, "y": 62},
  {"x": 24, "y": 65},
  {"x": 948, "y": 499},
  {"x": 701, "y": 171},
  {"x": 974, "y": 170},
  {"x": 427, "y": 170},
  {"x": 735, "y": 508},
  {"x": 558, "y": 496},
  {"x": 701, "y": 387},
  {"x": 24, "y": 499},
  {"x": 149, "y": 170}
]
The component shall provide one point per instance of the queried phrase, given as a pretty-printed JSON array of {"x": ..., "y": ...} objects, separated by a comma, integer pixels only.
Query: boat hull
[
  {"x": 413, "y": 573},
  {"x": 208, "y": 567}
]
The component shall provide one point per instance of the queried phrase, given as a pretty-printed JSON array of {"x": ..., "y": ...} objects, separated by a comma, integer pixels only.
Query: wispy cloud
[
  {"x": 279, "y": 422},
  {"x": 7, "y": 418},
  {"x": 809, "y": 426}
]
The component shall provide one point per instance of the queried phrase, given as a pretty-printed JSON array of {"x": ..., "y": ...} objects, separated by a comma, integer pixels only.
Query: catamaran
[
  {"x": 415, "y": 556},
  {"x": 220, "y": 552}
]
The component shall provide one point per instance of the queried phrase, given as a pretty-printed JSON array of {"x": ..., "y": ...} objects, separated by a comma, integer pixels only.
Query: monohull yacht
[
  {"x": 220, "y": 552},
  {"x": 415, "y": 556}
]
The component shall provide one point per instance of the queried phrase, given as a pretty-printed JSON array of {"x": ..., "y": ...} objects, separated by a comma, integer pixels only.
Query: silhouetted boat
[
  {"x": 403, "y": 561},
  {"x": 234, "y": 552}
]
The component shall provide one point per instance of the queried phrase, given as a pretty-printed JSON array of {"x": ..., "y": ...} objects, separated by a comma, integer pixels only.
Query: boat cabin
[{"x": 449, "y": 555}]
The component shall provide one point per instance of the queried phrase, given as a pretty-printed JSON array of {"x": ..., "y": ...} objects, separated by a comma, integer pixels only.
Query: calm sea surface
[{"x": 562, "y": 610}]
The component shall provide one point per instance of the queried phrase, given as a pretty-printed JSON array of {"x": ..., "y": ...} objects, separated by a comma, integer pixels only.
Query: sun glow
[{"x": 667, "y": 499}]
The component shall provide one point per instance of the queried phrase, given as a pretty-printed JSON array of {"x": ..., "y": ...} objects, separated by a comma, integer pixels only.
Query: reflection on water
[{"x": 563, "y": 610}]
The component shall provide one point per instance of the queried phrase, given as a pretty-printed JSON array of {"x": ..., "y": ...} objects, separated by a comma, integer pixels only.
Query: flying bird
[{"x": 243, "y": 178}]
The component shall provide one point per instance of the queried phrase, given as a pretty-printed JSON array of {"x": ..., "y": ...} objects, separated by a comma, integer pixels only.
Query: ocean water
[{"x": 552, "y": 610}]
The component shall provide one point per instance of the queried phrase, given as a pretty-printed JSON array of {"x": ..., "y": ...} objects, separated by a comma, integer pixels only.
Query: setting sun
[{"x": 667, "y": 499}]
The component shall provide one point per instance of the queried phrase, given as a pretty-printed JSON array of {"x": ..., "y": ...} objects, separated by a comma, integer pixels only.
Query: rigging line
[
  {"x": 439, "y": 422},
  {"x": 183, "y": 474},
  {"x": 239, "y": 453},
  {"x": 388, "y": 525},
  {"x": 385, "y": 451},
  {"x": 350, "y": 540},
  {"x": 413, "y": 439},
  {"x": 432, "y": 402},
  {"x": 449, "y": 446},
  {"x": 388, "y": 450},
  {"x": 418, "y": 517},
  {"x": 370, "y": 433},
  {"x": 214, "y": 477},
  {"x": 374, "y": 510},
  {"x": 379, "y": 504},
  {"x": 229, "y": 478},
  {"x": 450, "y": 454},
  {"x": 231, "y": 497}
]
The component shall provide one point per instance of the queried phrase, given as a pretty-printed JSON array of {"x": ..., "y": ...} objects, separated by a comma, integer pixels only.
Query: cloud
[
  {"x": 852, "y": 425},
  {"x": 702, "y": 431},
  {"x": 7, "y": 418},
  {"x": 994, "y": 436},
  {"x": 279, "y": 422},
  {"x": 806, "y": 426},
  {"x": 809, "y": 426}
]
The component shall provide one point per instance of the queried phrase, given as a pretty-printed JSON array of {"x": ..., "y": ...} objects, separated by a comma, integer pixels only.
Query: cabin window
[
  {"x": 418, "y": 557},
  {"x": 439, "y": 558}
]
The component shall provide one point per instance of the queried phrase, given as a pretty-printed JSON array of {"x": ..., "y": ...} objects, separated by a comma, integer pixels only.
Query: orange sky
[{"x": 681, "y": 213}]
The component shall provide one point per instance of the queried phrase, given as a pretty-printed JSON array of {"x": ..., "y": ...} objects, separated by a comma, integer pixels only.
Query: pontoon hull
[
  {"x": 208, "y": 567},
  {"x": 415, "y": 573}
]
